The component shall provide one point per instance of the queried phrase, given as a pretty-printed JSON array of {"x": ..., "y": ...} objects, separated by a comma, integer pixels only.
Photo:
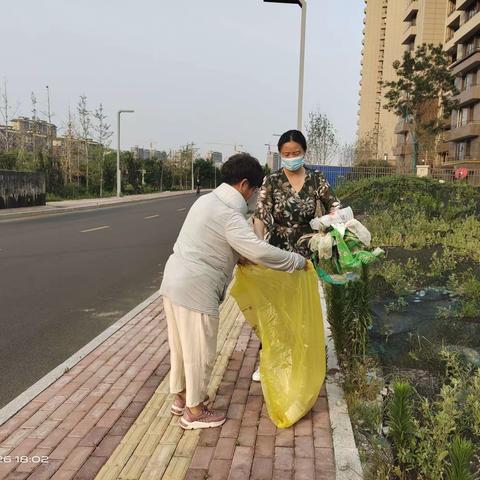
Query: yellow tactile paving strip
[{"x": 155, "y": 447}]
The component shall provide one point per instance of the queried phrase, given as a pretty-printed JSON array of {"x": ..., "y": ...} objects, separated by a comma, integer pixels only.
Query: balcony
[
  {"x": 450, "y": 45},
  {"x": 466, "y": 63},
  {"x": 467, "y": 29},
  {"x": 453, "y": 20},
  {"x": 468, "y": 96},
  {"x": 409, "y": 34},
  {"x": 464, "y": 4},
  {"x": 463, "y": 132},
  {"x": 411, "y": 11}
]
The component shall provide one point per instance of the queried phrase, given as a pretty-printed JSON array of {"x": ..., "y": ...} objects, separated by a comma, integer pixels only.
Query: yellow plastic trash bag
[{"x": 284, "y": 310}]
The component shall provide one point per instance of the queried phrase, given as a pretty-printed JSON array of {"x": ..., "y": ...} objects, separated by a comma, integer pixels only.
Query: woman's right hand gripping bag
[{"x": 284, "y": 310}]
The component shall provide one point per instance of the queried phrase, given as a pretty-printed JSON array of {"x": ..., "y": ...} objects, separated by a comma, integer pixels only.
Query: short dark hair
[
  {"x": 293, "y": 136},
  {"x": 243, "y": 166}
]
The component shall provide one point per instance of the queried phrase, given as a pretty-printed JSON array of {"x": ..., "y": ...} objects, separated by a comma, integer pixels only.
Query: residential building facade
[
  {"x": 391, "y": 28},
  {"x": 382, "y": 45},
  {"x": 273, "y": 161},
  {"x": 27, "y": 134},
  {"x": 462, "y": 42}
]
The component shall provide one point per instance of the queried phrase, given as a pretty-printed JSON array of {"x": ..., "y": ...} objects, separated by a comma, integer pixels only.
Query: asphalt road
[{"x": 66, "y": 278}]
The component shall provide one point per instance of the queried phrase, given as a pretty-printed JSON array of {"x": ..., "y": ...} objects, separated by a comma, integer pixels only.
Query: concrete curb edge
[
  {"x": 28, "y": 395},
  {"x": 347, "y": 459}
]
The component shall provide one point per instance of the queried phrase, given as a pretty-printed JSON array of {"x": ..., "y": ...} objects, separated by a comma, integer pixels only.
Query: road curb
[
  {"x": 28, "y": 395},
  {"x": 347, "y": 459},
  {"x": 59, "y": 210}
]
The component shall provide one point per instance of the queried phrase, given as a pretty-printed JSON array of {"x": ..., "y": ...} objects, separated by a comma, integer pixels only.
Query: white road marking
[
  {"x": 151, "y": 216},
  {"x": 181, "y": 209},
  {"x": 95, "y": 229}
]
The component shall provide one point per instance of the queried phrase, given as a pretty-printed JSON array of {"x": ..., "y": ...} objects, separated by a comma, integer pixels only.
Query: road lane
[{"x": 59, "y": 287}]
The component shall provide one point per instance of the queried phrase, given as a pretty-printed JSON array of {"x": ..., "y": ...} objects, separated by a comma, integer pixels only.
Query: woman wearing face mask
[{"x": 290, "y": 198}]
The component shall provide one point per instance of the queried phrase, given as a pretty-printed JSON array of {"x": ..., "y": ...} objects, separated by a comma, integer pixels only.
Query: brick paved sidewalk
[
  {"x": 249, "y": 445},
  {"x": 108, "y": 417},
  {"x": 80, "y": 419}
]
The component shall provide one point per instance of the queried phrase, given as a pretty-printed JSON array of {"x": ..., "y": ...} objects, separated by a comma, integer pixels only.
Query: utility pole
[
  {"x": 303, "y": 5},
  {"x": 119, "y": 180},
  {"x": 193, "y": 182},
  {"x": 49, "y": 127},
  {"x": 49, "y": 116},
  {"x": 34, "y": 130},
  {"x": 302, "y": 65},
  {"x": 5, "y": 115}
]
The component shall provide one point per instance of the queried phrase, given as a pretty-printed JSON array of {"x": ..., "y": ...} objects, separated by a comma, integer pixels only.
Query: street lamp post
[
  {"x": 303, "y": 6},
  {"x": 119, "y": 180}
]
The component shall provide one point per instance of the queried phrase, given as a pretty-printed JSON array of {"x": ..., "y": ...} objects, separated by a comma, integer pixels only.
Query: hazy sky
[{"x": 221, "y": 71}]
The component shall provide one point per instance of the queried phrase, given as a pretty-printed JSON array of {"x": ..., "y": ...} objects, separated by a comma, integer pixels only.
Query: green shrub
[
  {"x": 400, "y": 421},
  {"x": 461, "y": 455}
]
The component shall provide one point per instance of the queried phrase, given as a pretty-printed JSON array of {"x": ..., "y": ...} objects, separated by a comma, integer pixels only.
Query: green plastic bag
[
  {"x": 345, "y": 264},
  {"x": 284, "y": 310}
]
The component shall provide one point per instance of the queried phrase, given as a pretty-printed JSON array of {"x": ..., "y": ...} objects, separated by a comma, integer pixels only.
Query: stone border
[
  {"x": 347, "y": 458},
  {"x": 28, "y": 395}
]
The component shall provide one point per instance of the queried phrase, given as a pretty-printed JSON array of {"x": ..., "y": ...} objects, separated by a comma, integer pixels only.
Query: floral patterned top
[{"x": 286, "y": 214}]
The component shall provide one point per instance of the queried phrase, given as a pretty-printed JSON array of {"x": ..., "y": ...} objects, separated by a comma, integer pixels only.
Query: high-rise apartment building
[
  {"x": 462, "y": 41},
  {"x": 391, "y": 27},
  {"x": 273, "y": 161},
  {"x": 382, "y": 45}
]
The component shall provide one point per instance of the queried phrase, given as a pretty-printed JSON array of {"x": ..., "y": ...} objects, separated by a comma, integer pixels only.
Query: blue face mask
[{"x": 293, "y": 164}]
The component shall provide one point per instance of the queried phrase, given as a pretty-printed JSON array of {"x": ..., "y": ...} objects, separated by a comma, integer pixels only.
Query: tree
[
  {"x": 369, "y": 146},
  {"x": 347, "y": 155},
  {"x": 85, "y": 125},
  {"x": 423, "y": 94},
  {"x": 33, "y": 98},
  {"x": 103, "y": 135},
  {"x": 7, "y": 114},
  {"x": 68, "y": 147},
  {"x": 321, "y": 139}
]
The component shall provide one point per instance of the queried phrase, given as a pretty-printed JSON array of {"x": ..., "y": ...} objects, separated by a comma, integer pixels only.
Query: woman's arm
[
  {"x": 263, "y": 215},
  {"x": 327, "y": 196},
  {"x": 259, "y": 228}
]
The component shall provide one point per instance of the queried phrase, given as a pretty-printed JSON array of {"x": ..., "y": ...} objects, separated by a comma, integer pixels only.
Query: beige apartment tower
[
  {"x": 391, "y": 27},
  {"x": 462, "y": 42},
  {"x": 381, "y": 47}
]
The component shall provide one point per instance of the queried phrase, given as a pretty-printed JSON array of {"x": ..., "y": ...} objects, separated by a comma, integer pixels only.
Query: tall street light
[
  {"x": 119, "y": 180},
  {"x": 303, "y": 6}
]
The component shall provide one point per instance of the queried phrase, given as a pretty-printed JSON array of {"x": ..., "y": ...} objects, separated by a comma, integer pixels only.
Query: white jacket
[{"x": 213, "y": 236}]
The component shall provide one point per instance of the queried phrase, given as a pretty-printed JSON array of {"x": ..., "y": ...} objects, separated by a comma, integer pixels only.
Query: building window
[
  {"x": 468, "y": 148},
  {"x": 471, "y": 12},
  {"x": 462, "y": 117},
  {"x": 470, "y": 47},
  {"x": 451, "y": 7},
  {"x": 450, "y": 33},
  {"x": 471, "y": 111}
]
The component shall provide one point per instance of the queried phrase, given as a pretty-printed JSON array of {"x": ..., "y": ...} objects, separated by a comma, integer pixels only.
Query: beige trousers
[{"x": 192, "y": 337}]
